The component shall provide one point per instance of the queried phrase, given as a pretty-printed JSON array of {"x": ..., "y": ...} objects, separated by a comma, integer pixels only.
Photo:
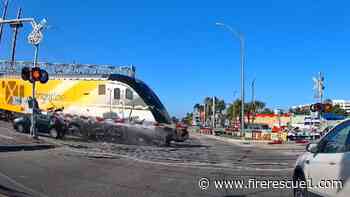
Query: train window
[
  {"x": 116, "y": 93},
  {"x": 102, "y": 90},
  {"x": 129, "y": 94}
]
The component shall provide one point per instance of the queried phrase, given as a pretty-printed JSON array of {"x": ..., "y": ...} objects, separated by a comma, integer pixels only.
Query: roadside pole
[
  {"x": 240, "y": 36},
  {"x": 14, "y": 39},
  {"x": 33, "y": 117},
  {"x": 204, "y": 116},
  {"x": 213, "y": 120},
  {"x": 253, "y": 101},
  {"x": 3, "y": 18}
]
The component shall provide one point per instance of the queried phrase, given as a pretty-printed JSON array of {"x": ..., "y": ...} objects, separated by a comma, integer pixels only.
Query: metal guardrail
[{"x": 57, "y": 69}]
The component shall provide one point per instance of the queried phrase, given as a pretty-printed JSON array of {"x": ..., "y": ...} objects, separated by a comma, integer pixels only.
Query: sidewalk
[
  {"x": 232, "y": 140},
  {"x": 264, "y": 144},
  {"x": 10, "y": 140}
]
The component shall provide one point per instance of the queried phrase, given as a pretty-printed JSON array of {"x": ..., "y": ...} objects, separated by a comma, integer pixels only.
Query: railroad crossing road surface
[{"x": 102, "y": 169}]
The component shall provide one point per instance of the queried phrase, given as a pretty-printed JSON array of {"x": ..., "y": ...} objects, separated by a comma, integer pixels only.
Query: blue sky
[{"x": 184, "y": 57}]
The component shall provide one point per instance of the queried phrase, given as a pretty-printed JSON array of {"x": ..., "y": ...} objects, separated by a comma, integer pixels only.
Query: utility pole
[
  {"x": 253, "y": 100},
  {"x": 213, "y": 112},
  {"x": 205, "y": 111},
  {"x": 3, "y": 18},
  {"x": 14, "y": 39},
  {"x": 240, "y": 36}
]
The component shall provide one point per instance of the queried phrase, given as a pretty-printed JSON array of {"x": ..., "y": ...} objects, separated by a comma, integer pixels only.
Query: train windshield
[{"x": 150, "y": 98}]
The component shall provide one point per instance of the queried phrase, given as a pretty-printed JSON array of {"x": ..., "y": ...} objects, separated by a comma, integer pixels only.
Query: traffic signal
[
  {"x": 25, "y": 73},
  {"x": 34, "y": 74},
  {"x": 318, "y": 107}
]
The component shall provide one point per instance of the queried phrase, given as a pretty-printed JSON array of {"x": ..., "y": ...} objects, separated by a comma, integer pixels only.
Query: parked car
[
  {"x": 51, "y": 122},
  {"x": 326, "y": 163}
]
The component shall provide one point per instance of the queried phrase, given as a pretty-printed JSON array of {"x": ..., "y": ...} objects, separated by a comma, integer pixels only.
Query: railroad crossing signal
[
  {"x": 35, "y": 37},
  {"x": 319, "y": 86},
  {"x": 34, "y": 74},
  {"x": 320, "y": 107}
]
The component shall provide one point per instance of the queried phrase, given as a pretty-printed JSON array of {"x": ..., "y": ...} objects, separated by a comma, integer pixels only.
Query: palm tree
[
  {"x": 234, "y": 110},
  {"x": 219, "y": 105},
  {"x": 256, "y": 106},
  {"x": 188, "y": 118},
  {"x": 266, "y": 111},
  {"x": 197, "y": 106}
]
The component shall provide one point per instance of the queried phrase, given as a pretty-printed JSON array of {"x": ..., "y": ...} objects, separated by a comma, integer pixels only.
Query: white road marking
[{"x": 5, "y": 178}]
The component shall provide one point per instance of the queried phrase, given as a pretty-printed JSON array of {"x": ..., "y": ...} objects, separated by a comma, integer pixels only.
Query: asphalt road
[{"x": 101, "y": 169}]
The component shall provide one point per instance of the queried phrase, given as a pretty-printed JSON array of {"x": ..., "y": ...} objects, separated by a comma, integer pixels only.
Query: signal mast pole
[
  {"x": 34, "y": 38},
  {"x": 33, "y": 118}
]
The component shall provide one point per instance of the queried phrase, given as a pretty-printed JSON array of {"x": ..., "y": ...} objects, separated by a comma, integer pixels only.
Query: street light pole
[
  {"x": 253, "y": 99},
  {"x": 213, "y": 108},
  {"x": 240, "y": 36}
]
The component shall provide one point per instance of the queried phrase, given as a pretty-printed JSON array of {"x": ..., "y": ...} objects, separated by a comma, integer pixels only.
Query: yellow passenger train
[{"x": 87, "y": 90}]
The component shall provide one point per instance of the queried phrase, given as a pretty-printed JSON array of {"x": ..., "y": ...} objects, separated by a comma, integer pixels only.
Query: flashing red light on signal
[{"x": 36, "y": 74}]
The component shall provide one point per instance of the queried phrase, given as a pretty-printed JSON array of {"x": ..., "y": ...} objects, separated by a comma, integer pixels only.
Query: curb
[
  {"x": 230, "y": 140},
  {"x": 25, "y": 147}
]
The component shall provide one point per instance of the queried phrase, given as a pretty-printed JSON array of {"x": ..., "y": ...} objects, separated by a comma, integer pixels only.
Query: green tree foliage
[
  {"x": 300, "y": 111},
  {"x": 267, "y": 111},
  {"x": 220, "y": 105},
  {"x": 198, "y": 107},
  {"x": 234, "y": 110},
  {"x": 188, "y": 119},
  {"x": 337, "y": 110}
]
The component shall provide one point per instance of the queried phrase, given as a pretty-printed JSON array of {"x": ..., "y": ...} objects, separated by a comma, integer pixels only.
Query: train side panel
[
  {"x": 77, "y": 96},
  {"x": 13, "y": 94}
]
